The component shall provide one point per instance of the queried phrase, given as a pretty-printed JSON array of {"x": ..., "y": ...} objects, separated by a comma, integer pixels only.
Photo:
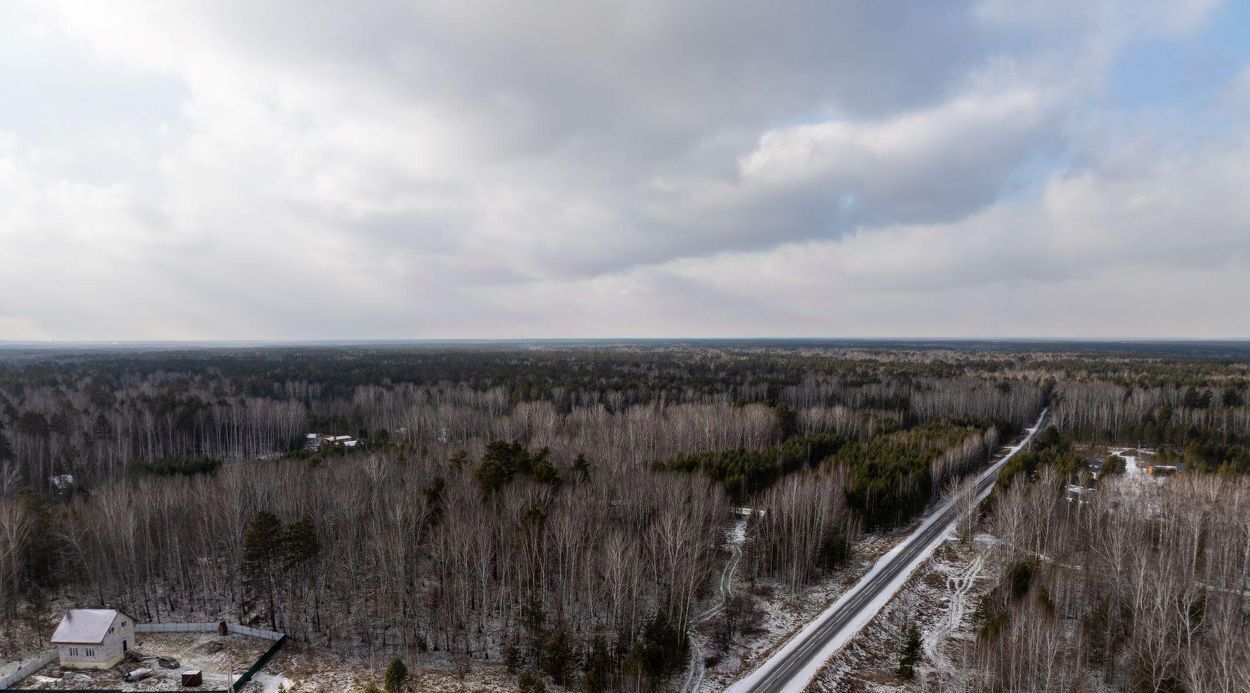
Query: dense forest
[
  {"x": 557, "y": 508},
  {"x": 1136, "y": 587}
]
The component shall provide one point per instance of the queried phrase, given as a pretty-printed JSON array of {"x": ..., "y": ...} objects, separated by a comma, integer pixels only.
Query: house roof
[{"x": 84, "y": 626}]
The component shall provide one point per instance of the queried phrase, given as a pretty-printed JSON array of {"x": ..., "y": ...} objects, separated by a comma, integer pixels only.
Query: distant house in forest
[
  {"x": 314, "y": 441},
  {"x": 345, "y": 441},
  {"x": 1078, "y": 494},
  {"x": 1161, "y": 470},
  {"x": 93, "y": 638}
]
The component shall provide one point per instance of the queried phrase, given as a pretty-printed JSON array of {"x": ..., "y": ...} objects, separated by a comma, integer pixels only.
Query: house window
[{"x": 73, "y": 651}]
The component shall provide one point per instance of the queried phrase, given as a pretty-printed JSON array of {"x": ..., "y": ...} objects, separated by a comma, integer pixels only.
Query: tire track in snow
[
  {"x": 958, "y": 586},
  {"x": 694, "y": 673}
]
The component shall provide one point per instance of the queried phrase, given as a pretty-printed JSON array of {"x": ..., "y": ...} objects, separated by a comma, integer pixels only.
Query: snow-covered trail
[
  {"x": 958, "y": 587},
  {"x": 1131, "y": 468},
  {"x": 734, "y": 538},
  {"x": 794, "y": 665}
]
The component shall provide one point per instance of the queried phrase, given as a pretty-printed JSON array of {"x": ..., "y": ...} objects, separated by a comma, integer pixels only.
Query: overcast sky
[{"x": 321, "y": 170}]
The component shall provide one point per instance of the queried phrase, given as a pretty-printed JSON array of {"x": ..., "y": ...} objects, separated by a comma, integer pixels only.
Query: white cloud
[
  {"x": 569, "y": 168},
  {"x": 1174, "y": 235},
  {"x": 931, "y": 163}
]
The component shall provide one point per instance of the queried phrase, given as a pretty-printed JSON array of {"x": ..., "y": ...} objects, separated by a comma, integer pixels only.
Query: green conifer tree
[
  {"x": 396, "y": 676},
  {"x": 911, "y": 654},
  {"x": 262, "y": 547}
]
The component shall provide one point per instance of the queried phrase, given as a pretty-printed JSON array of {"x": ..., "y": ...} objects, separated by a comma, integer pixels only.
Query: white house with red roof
[{"x": 93, "y": 638}]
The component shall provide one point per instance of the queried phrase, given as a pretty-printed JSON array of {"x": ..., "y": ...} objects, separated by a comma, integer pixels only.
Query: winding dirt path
[{"x": 734, "y": 538}]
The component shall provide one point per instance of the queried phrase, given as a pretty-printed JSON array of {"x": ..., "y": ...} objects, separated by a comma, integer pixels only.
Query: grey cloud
[{"x": 450, "y": 168}]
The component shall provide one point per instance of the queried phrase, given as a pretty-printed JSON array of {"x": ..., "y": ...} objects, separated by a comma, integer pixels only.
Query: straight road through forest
[{"x": 798, "y": 661}]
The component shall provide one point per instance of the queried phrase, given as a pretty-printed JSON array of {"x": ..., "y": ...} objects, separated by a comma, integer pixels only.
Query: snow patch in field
[
  {"x": 938, "y": 599},
  {"x": 1131, "y": 468},
  {"x": 957, "y": 588},
  {"x": 270, "y": 683}
]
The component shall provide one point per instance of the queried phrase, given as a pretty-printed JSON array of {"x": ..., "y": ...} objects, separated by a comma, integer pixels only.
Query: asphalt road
[{"x": 781, "y": 674}]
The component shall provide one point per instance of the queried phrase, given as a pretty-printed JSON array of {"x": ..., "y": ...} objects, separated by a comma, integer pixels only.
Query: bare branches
[{"x": 1153, "y": 574}]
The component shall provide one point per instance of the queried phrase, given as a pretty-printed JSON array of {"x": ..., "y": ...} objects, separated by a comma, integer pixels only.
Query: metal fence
[
  {"x": 175, "y": 627},
  {"x": 260, "y": 663},
  {"x": 279, "y": 639},
  {"x": 256, "y": 632},
  {"x": 207, "y": 628}
]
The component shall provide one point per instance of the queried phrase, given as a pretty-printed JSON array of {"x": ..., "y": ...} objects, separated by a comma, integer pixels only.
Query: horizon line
[{"x": 328, "y": 341}]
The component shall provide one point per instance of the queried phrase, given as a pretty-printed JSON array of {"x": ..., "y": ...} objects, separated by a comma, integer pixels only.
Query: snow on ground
[
  {"x": 957, "y": 588},
  {"x": 940, "y": 599},
  {"x": 272, "y": 683},
  {"x": 699, "y": 643},
  {"x": 296, "y": 667},
  {"x": 867, "y": 613},
  {"x": 316, "y": 670},
  {"x": 785, "y": 614},
  {"x": 1135, "y": 461},
  {"x": 293, "y": 668},
  {"x": 216, "y": 656},
  {"x": 1130, "y": 457}
]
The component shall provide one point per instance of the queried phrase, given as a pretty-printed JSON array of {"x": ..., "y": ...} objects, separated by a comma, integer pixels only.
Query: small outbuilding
[
  {"x": 314, "y": 441},
  {"x": 62, "y": 483},
  {"x": 93, "y": 638}
]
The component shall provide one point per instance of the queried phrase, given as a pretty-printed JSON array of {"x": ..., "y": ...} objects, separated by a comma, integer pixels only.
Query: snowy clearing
[{"x": 216, "y": 656}]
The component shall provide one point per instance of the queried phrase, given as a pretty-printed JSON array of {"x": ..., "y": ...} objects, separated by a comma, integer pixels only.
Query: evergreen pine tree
[
  {"x": 299, "y": 544},
  {"x": 262, "y": 546},
  {"x": 41, "y": 548},
  {"x": 662, "y": 649},
  {"x": 396, "y": 676},
  {"x": 531, "y": 682},
  {"x": 599, "y": 668},
  {"x": 434, "y": 494},
  {"x": 911, "y": 654},
  {"x": 581, "y": 466},
  {"x": 556, "y": 660},
  {"x": 512, "y": 657},
  {"x": 6, "y": 450},
  {"x": 532, "y": 618}
]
